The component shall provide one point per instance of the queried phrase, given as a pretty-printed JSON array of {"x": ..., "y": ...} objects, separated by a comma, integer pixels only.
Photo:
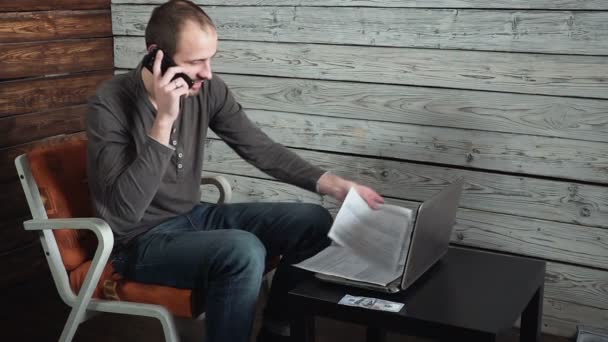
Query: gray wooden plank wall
[{"x": 407, "y": 96}]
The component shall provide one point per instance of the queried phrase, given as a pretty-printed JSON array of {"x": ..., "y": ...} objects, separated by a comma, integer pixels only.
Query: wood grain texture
[
  {"x": 562, "y": 75},
  {"x": 549, "y": 240},
  {"x": 22, "y": 265},
  {"x": 45, "y": 5},
  {"x": 29, "y": 127},
  {"x": 14, "y": 202},
  {"x": 14, "y": 236},
  {"x": 8, "y": 172},
  {"x": 563, "y": 32},
  {"x": 551, "y": 116},
  {"x": 566, "y": 202},
  {"x": 521, "y": 154},
  {"x": 573, "y": 294},
  {"x": 35, "y": 59},
  {"x": 47, "y": 93},
  {"x": 474, "y": 228},
  {"x": 522, "y": 4},
  {"x": 19, "y": 27},
  {"x": 493, "y": 215}
]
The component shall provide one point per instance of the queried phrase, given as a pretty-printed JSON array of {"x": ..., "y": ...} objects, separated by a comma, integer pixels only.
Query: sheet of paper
[
  {"x": 375, "y": 235},
  {"x": 340, "y": 262}
]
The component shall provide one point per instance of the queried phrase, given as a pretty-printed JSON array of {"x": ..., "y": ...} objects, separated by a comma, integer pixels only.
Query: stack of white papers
[{"x": 370, "y": 245}]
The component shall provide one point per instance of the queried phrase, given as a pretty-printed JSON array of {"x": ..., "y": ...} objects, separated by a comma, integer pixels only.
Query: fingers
[
  {"x": 372, "y": 198},
  {"x": 176, "y": 87},
  {"x": 170, "y": 73},
  {"x": 373, "y": 203},
  {"x": 157, "y": 62},
  {"x": 166, "y": 78}
]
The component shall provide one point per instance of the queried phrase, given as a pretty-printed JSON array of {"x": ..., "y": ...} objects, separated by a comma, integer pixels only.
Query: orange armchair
[{"x": 77, "y": 246}]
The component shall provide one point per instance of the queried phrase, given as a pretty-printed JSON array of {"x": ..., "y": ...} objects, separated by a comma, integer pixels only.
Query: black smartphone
[{"x": 165, "y": 64}]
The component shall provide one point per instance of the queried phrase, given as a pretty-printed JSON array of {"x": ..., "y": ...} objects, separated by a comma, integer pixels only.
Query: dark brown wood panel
[
  {"x": 13, "y": 236},
  {"x": 8, "y": 172},
  {"x": 34, "y": 95},
  {"x": 39, "y": 305},
  {"x": 22, "y": 265},
  {"x": 42, "y": 5},
  {"x": 33, "y": 59},
  {"x": 19, "y": 27},
  {"x": 13, "y": 202},
  {"x": 26, "y": 128}
]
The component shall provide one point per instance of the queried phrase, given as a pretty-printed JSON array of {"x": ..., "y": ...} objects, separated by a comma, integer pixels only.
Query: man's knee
[
  {"x": 316, "y": 221},
  {"x": 242, "y": 251},
  {"x": 318, "y": 217}
]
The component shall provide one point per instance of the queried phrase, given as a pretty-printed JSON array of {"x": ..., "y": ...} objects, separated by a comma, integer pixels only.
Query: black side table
[{"x": 469, "y": 295}]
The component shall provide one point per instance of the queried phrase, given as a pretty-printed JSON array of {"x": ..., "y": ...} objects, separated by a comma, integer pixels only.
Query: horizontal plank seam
[
  {"x": 394, "y": 84},
  {"x": 423, "y": 125},
  {"x": 60, "y": 9},
  {"x": 411, "y": 200},
  {"x": 66, "y": 131},
  {"x": 63, "y": 11},
  {"x": 595, "y": 268},
  {"x": 60, "y": 39},
  {"x": 30, "y": 142},
  {"x": 63, "y": 75},
  {"x": 458, "y": 167},
  {"x": 21, "y": 248},
  {"x": 420, "y": 86},
  {"x": 551, "y": 9},
  {"x": 51, "y": 41},
  {"x": 391, "y": 47},
  {"x": 42, "y": 112}
]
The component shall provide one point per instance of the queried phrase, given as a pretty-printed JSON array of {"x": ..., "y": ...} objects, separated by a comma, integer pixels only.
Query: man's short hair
[{"x": 167, "y": 21}]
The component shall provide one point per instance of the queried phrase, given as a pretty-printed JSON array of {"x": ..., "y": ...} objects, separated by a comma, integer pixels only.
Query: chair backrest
[
  {"x": 59, "y": 181},
  {"x": 54, "y": 180}
]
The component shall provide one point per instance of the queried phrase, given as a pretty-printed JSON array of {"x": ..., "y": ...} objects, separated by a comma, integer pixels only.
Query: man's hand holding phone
[{"x": 167, "y": 93}]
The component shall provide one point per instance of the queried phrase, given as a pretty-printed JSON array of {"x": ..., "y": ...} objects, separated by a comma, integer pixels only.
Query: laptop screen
[{"x": 432, "y": 231}]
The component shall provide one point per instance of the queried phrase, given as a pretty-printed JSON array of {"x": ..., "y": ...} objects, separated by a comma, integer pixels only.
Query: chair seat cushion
[{"x": 112, "y": 286}]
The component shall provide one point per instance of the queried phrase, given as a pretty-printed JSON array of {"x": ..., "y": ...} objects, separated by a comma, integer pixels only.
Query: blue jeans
[{"x": 219, "y": 251}]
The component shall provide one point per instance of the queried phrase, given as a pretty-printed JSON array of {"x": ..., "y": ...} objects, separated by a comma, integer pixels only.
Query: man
[{"x": 146, "y": 136}]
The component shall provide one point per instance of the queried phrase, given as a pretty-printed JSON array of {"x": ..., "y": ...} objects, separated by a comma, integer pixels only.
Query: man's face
[{"x": 195, "y": 48}]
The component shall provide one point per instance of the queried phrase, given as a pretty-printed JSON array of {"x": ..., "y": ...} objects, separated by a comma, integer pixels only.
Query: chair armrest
[
  {"x": 103, "y": 232},
  {"x": 105, "y": 243},
  {"x": 222, "y": 185},
  {"x": 98, "y": 226}
]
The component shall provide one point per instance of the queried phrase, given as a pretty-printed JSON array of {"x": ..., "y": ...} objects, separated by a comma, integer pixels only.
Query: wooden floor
[{"x": 34, "y": 312}]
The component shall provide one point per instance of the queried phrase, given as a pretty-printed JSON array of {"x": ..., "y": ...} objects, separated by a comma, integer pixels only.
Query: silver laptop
[{"x": 429, "y": 242}]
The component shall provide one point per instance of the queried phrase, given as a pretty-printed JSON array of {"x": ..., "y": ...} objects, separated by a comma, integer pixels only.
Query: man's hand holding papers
[
  {"x": 374, "y": 235},
  {"x": 338, "y": 188},
  {"x": 371, "y": 244}
]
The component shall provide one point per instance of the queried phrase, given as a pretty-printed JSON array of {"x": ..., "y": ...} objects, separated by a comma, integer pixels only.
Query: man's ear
[{"x": 151, "y": 47}]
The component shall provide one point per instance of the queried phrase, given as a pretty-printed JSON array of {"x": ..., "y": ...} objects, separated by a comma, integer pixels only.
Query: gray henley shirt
[{"x": 137, "y": 182}]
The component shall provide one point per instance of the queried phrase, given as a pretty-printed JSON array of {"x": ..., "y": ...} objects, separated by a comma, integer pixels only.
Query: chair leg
[
  {"x": 77, "y": 315},
  {"x": 69, "y": 329}
]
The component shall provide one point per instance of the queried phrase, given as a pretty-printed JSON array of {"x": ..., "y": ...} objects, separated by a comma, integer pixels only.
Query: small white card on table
[{"x": 371, "y": 303}]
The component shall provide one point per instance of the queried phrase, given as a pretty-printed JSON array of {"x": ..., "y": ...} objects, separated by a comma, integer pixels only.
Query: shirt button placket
[{"x": 179, "y": 161}]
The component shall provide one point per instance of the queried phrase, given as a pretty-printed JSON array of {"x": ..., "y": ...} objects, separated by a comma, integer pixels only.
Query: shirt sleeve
[
  {"x": 123, "y": 180},
  {"x": 230, "y": 123}
]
